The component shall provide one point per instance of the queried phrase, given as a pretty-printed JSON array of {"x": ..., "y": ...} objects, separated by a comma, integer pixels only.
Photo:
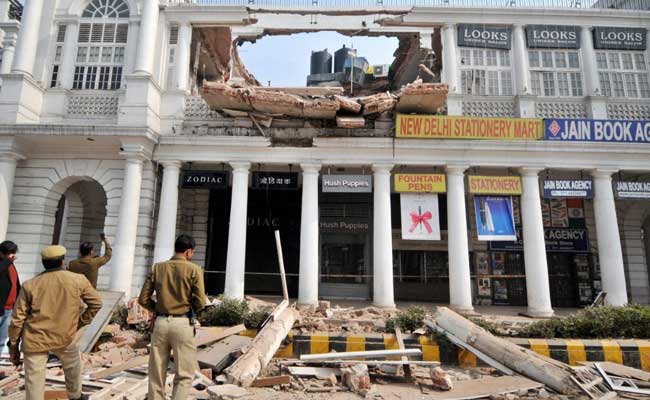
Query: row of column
[
  {"x": 521, "y": 67},
  {"x": 537, "y": 282}
]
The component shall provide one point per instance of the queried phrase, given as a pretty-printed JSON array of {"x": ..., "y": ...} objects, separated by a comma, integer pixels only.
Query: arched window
[{"x": 103, "y": 32}]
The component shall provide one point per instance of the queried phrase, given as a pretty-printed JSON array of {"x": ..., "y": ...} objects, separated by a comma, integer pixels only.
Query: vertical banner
[
  {"x": 420, "y": 219},
  {"x": 494, "y": 218}
]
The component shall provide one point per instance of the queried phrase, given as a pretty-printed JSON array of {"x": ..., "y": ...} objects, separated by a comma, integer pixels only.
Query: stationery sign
[
  {"x": 347, "y": 184},
  {"x": 490, "y": 37},
  {"x": 494, "y": 218},
  {"x": 510, "y": 185},
  {"x": 420, "y": 183},
  {"x": 553, "y": 37},
  {"x": 581, "y": 188},
  {"x": 597, "y": 130},
  {"x": 446, "y": 127},
  {"x": 204, "y": 180},
  {"x": 420, "y": 219},
  {"x": 607, "y": 38},
  {"x": 632, "y": 190},
  {"x": 275, "y": 180},
  {"x": 557, "y": 240}
]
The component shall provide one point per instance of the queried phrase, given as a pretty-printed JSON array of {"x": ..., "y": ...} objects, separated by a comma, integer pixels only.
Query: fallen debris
[
  {"x": 356, "y": 378},
  {"x": 440, "y": 379},
  {"x": 272, "y": 381},
  {"x": 223, "y": 353},
  {"x": 360, "y": 354},
  {"x": 485, "y": 387},
  {"x": 226, "y": 392}
]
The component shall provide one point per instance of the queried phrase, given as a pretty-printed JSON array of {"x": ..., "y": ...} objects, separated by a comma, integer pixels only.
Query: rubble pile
[{"x": 326, "y": 318}]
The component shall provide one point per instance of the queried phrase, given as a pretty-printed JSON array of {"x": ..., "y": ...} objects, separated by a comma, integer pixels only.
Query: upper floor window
[
  {"x": 103, "y": 33},
  {"x": 623, "y": 74},
  {"x": 555, "y": 73},
  {"x": 486, "y": 72}
]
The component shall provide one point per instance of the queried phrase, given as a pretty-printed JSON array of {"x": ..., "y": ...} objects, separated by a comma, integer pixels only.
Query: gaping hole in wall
[{"x": 287, "y": 74}]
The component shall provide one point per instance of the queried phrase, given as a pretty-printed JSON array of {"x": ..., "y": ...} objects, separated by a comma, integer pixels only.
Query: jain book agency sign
[
  {"x": 595, "y": 130},
  {"x": 632, "y": 190},
  {"x": 491, "y": 37},
  {"x": 580, "y": 188},
  {"x": 553, "y": 37}
]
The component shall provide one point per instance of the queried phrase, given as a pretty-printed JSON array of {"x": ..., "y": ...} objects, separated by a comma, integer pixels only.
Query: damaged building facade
[{"x": 503, "y": 159}]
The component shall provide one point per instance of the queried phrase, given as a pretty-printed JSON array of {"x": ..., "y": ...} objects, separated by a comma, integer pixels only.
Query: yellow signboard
[
  {"x": 420, "y": 183},
  {"x": 445, "y": 127},
  {"x": 509, "y": 185}
]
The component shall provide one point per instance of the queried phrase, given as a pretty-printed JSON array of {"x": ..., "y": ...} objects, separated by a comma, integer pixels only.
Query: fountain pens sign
[
  {"x": 553, "y": 37},
  {"x": 420, "y": 219},
  {"x": 595, "y": 130},
  {"x": 445, "y": 127},
  {"x": 490, "y": 37},
  {"x": 420, "y": 183},
  {"x": 204, "y": 180},
  {"x": 607, "y": 38}
]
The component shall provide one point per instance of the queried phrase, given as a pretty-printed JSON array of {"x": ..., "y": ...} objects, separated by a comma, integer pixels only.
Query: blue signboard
[
  {"x": 578, "y": 188},
  {"x": 494, "y": 218},
  {"x": 558, "y": 240},
  {"x": 597, "y": 130}
]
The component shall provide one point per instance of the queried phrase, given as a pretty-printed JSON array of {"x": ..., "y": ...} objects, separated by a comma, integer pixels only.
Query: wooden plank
[
  {"x": 360, "y": 354},
  {"x": 484, "y": 387},
  {"x": 367, "y": 362},
  {"x": 110, "y": 300},
  {"x": 4, "y": 382},
  {"x": 400, "y": 343},
  {"x": 55, "y": 395},
  {"x": 272, "y": 381},
  {"x": 218, "y": 356},
  {"x": 205, "y": 336},
  {"x": 132, "y": 363},
  {"x": 314, "y": 371},
  {"x": 621, "y": 370}
]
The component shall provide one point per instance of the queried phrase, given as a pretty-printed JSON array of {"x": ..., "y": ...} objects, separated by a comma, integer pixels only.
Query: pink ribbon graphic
[{"x": 418, "y": 219}]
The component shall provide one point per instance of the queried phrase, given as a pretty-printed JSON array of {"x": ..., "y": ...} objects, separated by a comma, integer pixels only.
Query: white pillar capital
[
  {"x": 240, "y": 166},
  {"x": 311, "y": 168},
  {"x": 456, "y": 169},
  {"x": 171, "y": 164},
  {"x": 530, "y": 171},
  {"x": 382, "y": 168},
  {"x": 10, "y": 29},
  {"x": 603, "y": 173}
]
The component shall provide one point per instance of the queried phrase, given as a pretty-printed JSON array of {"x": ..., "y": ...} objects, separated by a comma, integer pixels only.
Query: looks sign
[
  {"x": 553, "y": 36},
  {"x": 491, "y": 37},
  {"x": 620, "y": 38}
]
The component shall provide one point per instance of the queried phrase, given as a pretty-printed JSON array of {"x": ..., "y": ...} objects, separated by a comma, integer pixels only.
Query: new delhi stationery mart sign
[{"x": 446, "y": 127}]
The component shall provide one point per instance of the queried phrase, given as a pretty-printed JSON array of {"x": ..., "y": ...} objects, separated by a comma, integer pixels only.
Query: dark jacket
[{"x": 5, "y": 283}]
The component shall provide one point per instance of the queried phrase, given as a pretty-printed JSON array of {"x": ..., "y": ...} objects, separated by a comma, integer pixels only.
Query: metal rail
[{"x": 406, "y": 4}]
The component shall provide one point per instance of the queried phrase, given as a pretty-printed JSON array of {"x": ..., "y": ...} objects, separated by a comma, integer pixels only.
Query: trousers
[{"x": 35, "y": 369}]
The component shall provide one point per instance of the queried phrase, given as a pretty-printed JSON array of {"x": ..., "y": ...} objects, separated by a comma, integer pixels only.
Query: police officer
[
  {"x": 88, "y": 264},
  {"x": 180, "y": 293},
  {"x": 47, "y": 318}
]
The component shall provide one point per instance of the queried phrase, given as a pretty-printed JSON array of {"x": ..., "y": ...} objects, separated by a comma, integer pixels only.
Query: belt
[{"x": 172, "y": 315}]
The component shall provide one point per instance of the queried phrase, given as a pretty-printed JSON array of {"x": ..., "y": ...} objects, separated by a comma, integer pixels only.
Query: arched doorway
[{"x": 80, "y": 215}]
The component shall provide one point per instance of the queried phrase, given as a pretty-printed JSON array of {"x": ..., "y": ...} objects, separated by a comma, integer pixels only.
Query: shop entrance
[{"x": 345, "y": 248}]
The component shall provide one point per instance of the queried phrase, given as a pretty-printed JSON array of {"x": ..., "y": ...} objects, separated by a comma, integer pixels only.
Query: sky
[{"x": 285, "y": 60}]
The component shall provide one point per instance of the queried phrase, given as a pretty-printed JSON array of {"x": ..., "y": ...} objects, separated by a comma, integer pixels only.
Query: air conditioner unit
[{"x": 380, "y": 71}]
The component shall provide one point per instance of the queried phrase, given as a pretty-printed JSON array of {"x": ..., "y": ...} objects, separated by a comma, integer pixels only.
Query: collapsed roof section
[{"x": 228, "y": 88}]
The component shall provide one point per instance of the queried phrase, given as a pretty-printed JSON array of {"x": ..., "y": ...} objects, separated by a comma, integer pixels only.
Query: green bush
[
  {"x": 227, "y": 313},
  {"x": 119, "y": 315},
  {"x": 632, "y": 321},
  {"x": 487, "y": 325},
  {"x": 255, "y": 319},
  {"x": 408, "y": 320}
]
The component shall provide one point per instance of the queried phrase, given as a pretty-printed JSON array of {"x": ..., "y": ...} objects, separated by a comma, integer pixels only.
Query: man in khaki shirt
[
  {"x": 88, "y": 264},
  {"x": 179, "y": 288},
  {"x": 47, "y": 316}
]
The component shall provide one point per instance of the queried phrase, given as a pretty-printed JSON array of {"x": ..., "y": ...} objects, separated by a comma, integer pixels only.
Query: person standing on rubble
[
  {"x": 47, "y": 317},
  {"x": 180, "y": 294},
  {"x": 88, "y": 265},
  {"x": 9, "y": 287}
]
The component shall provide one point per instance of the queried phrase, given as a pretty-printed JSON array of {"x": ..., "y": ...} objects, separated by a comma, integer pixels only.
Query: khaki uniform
[
  {"x": 89, "y": 266},
  {"x": 47, "y": 316},
  {"x": 179, "y": 289}
]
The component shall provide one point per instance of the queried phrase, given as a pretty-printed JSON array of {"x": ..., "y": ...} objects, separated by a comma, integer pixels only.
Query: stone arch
[
  {"x": 636, "y": 216},
  {"x": 78, "y": 6}
]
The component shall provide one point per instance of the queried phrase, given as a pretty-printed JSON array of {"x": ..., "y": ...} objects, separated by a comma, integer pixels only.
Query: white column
[
  {"x": 147, "y": 38},
  {"x": 236, "y": 257},
  {"x": 7, "y": 173},
  {"x": 520, "y": 60},
  {"x": 127, "y": 227},
  {"x": 308, "y": 279},
  {"x": 460, "y": 284},
  {"x": 131, "y": 47},
  {"x": 449, "y": 58},
  {"x": 592, "y": 83},
  {"x": 382, "y": 236},
  {"x": 28, "y": 38},
  {"x": 8, "y": 45},
  {"x": 69, "y": 54},
  {"x": 610, "y": 255},
  {"x": 537, "y": 285},
  {"x": 167, "y": 210},
  {"x": 183, "y": 55}
]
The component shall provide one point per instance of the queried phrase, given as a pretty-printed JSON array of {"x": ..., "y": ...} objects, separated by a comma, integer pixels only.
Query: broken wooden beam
[
  {"x": 400, "y": 344},
  {"x": 132, "y": 363},
  {"x": 272, "y": 381},
  {"x": 360, "y": 354},
  {"x": 247, "y": 367},
  {"x": 206, "y": 336},
  {"x": 350, "y": 122}
]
